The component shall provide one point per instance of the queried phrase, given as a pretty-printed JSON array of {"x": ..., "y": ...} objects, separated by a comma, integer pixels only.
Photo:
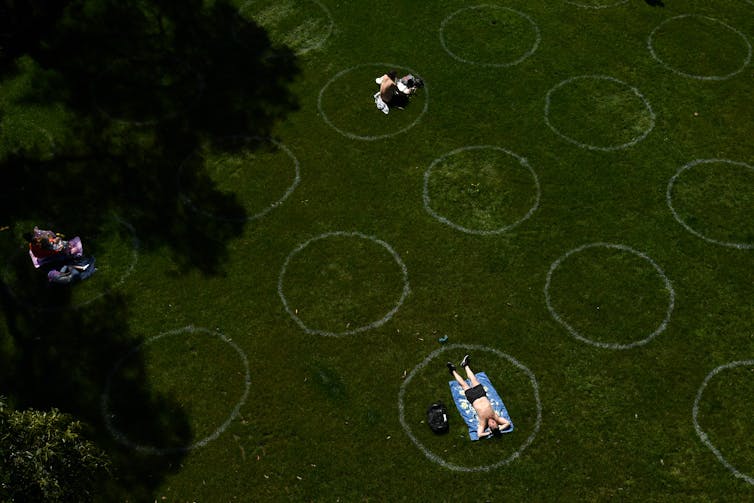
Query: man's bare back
[{"x": 388, "y": 88}]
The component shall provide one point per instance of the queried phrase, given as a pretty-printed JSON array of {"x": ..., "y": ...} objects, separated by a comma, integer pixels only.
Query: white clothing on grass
[{"x": 381, "y": 105}]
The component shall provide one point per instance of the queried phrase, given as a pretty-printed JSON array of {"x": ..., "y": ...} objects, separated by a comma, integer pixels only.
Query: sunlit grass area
[{"x": 283, "y": 270}]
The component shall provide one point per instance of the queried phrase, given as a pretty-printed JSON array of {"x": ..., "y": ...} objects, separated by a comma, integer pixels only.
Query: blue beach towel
[{"x": 467, "y": 411}]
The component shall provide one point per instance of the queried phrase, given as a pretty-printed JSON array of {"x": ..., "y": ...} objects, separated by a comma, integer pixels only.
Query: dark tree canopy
[{"x": 44, "y": 456}]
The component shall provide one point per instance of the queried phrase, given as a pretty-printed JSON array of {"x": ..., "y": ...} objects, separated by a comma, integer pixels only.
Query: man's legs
[
  {"x": 457, "y": 376},
  {"x": 469, "y": 373}
]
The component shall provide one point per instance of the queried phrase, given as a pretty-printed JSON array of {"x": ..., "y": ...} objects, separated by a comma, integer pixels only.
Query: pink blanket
[{"x": 71, "y": 248}]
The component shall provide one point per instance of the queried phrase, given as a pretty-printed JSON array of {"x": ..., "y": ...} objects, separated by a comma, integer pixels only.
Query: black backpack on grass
[{"x": 437, "y": 418}]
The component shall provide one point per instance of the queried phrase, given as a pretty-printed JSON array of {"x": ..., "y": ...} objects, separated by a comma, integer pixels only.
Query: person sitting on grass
[
  {"x": 63, "y": 260},
  {"x": 395, "y": 92},
  {"x": 388, "y": 89},
  {"x": 77, "y": 270},
  {"x": 47, "y": 247},
  {"x": 489, "y": 421},
  {"x": 409, "y": 84}
]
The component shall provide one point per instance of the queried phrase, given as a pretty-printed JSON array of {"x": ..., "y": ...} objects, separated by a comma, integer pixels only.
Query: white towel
[{"x": 381, "y": 105}]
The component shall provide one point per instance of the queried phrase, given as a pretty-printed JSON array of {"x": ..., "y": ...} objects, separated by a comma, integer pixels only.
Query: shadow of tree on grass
[
  {"x": 175, "y": 75},
  {"x": 141, "y": 85},
  {"x": 62, "y": 359}
]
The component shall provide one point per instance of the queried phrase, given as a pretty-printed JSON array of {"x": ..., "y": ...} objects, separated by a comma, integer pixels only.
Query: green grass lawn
[{"x": 570, "y": 199}]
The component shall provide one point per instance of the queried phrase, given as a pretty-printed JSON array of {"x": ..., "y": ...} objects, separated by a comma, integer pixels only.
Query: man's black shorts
[{"x": 475, "y": 393}]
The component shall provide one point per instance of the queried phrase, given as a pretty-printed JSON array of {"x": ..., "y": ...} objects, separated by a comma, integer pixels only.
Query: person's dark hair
[{"x": 392, "y": 74}]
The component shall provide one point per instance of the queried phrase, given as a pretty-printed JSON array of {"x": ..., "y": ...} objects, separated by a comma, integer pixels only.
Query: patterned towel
[{"x": 467, "y": 411}]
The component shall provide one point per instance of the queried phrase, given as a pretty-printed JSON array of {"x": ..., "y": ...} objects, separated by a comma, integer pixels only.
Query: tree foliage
[{"x": 45, "y": 457}]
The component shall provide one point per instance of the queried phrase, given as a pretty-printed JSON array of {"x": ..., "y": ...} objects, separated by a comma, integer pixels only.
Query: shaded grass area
[
  {"x": 321, "y": 421},
  {"x": 105, "y": 122},
  {"x": 223, "y": 381},
  {"x": 260, "y": 172}
]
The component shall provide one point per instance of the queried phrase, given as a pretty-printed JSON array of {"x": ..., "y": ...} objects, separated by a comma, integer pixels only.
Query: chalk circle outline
[
  {"x": 611, "y": 148},
  {"x": 446, "y": 221},
  {"x": 669, "y": 200},
  {"x": 665, "y": 65},
  {"x": 135, "y": 245},
  {"x": 611, "y": 345},
  {"x": 190, "y": 72},
  {"x": 586, "y": 6},
  {"x": 245, "y": 139},
  {"x": 148, "y": 449},
  {"x": 437, "y": 459},
  {"x": 526, "y": 55},
  {"x": 406, "y": 288},
  {"x": 701, "y": 433},
  {"x": 353, "y": 136},
  {"x": 314, "y": 47}
]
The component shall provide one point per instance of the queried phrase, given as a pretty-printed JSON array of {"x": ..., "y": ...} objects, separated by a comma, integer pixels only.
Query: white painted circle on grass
[
  {"x": 522, "y": 161},
  {"x": 650, "y": 46},
  {"x": 599, "y": 6},
  {"x": 121, "y": 279},
  {"x": 434, "y": 457},
  {"x": 424, "y": 92},
  {"x": 247, "y": 139},
  {"x": 300, "y": 51},
  {"x": 699, "y": 431},
  {"x": 669, "y": 199},
  {"x": 516, "y": 61},
  {"x": 608, "y": 148},
  {"x": 404, "y": 293},
  {"x": 609, "y": 345},
  {"x": 148, "y": 449}
]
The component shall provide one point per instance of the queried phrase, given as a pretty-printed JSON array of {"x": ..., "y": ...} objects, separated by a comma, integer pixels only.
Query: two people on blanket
[
  {"x": 489, "y": 421},
  {"x": 63, "y": 259},
  {"x": 395, "y": 92}
]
